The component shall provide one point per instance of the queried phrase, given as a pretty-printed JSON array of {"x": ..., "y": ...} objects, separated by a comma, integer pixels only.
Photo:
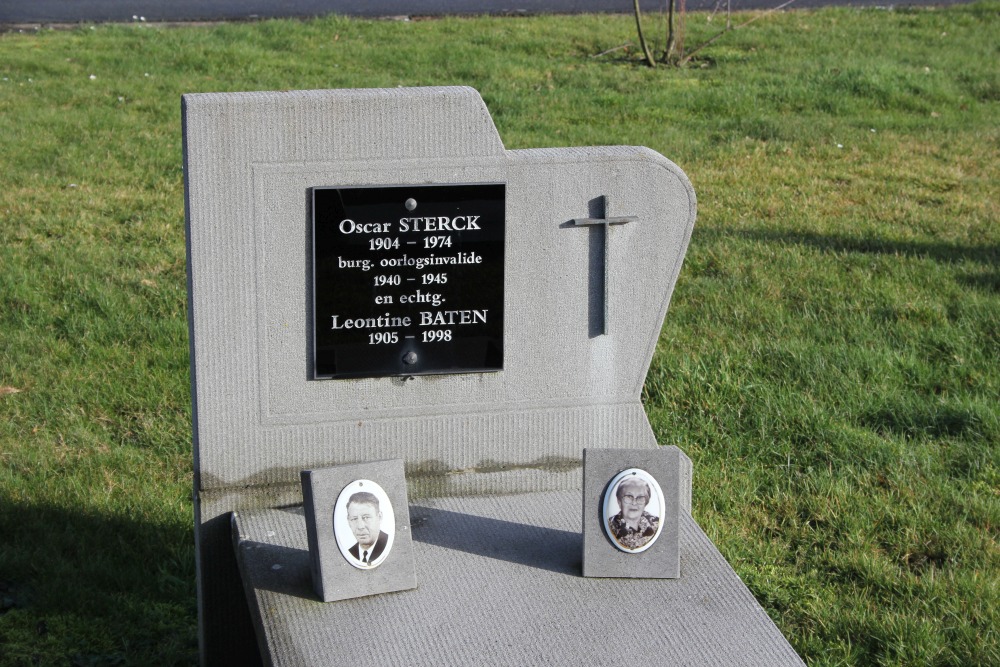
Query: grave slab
[{"x": 501, "y": 584}]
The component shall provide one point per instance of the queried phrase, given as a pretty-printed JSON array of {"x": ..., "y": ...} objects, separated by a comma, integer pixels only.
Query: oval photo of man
[
  {"x": 633, "y": 506},
  {"x": 364, "y": 524}
]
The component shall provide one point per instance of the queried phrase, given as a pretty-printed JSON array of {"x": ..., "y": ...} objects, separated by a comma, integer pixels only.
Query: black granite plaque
[{"x": 408, "y": 280}]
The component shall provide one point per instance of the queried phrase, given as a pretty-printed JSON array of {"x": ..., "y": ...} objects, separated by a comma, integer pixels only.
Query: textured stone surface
[
  {"x": 501, "y": 584},
  {"x": 250, "y": 161}
]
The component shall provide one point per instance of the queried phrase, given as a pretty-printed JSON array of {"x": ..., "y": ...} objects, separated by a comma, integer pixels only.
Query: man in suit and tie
[{"x": 365, "y": 519}]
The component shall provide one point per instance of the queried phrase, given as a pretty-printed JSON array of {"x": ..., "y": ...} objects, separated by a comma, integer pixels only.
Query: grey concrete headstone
[
  {"x": 595, "y": 238},
  {"x": 250, "y": 160}
]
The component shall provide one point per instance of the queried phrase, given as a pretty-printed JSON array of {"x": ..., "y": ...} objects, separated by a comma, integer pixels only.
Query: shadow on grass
[
  {"x": 926, "y": 420},
  {"x": 987, "y": 282},
  {"x": 949, "y": 253},
  {"x": 82, "y": 589}
]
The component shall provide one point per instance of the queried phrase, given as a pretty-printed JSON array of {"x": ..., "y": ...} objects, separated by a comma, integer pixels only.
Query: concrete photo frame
[
  {"x": 636, "y": 537},
  {"x": 374, "y": 495}
]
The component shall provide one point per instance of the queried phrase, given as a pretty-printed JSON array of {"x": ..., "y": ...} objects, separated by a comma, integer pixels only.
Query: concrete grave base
[{"x": 500, "y": 583}]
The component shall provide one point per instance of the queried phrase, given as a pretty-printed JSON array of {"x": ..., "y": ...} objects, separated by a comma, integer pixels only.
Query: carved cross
[{"x": 604, "y": 221}]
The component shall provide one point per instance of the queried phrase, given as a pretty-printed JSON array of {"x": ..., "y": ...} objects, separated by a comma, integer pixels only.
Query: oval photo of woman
[
  {"x": 364, "y": 524},
  {"x": 633, "y": 505}
]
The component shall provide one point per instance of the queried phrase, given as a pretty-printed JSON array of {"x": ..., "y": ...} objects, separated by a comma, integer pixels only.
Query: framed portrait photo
[
  {"x": 364, "y": 524},
  {"x": 631, "y": 508},
  {"x": 358, "y": 525}
]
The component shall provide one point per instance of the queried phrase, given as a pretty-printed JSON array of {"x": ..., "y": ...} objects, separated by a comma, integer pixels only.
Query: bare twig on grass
[
  {"x": 612, "y": 50},
  {"x": 729, "y": 28},
  {"x": 673, "y": 51}
]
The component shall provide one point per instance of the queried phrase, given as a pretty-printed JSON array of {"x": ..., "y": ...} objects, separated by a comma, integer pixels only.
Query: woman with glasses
[{"x": 633, "y": 526}]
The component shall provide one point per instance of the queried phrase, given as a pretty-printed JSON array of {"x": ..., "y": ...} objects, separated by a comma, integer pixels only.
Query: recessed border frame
[
  {"x": 603, "y": 471},
  {"x": 326, "y": 493}
]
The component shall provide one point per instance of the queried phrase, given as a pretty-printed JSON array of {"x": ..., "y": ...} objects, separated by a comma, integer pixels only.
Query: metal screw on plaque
[
  {"x": 410, "y": 204},
  {"x": 410, "y": 358}
]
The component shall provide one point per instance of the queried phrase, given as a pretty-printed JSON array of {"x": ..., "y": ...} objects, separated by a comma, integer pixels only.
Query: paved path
[{"x": 71, "y": 11}]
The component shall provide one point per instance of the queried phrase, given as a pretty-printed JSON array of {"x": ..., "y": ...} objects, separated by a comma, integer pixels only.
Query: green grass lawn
[{"x": 830, "y": 362}]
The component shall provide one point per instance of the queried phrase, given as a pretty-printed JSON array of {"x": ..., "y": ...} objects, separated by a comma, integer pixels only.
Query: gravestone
[{"x": 551, "y": 335}]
